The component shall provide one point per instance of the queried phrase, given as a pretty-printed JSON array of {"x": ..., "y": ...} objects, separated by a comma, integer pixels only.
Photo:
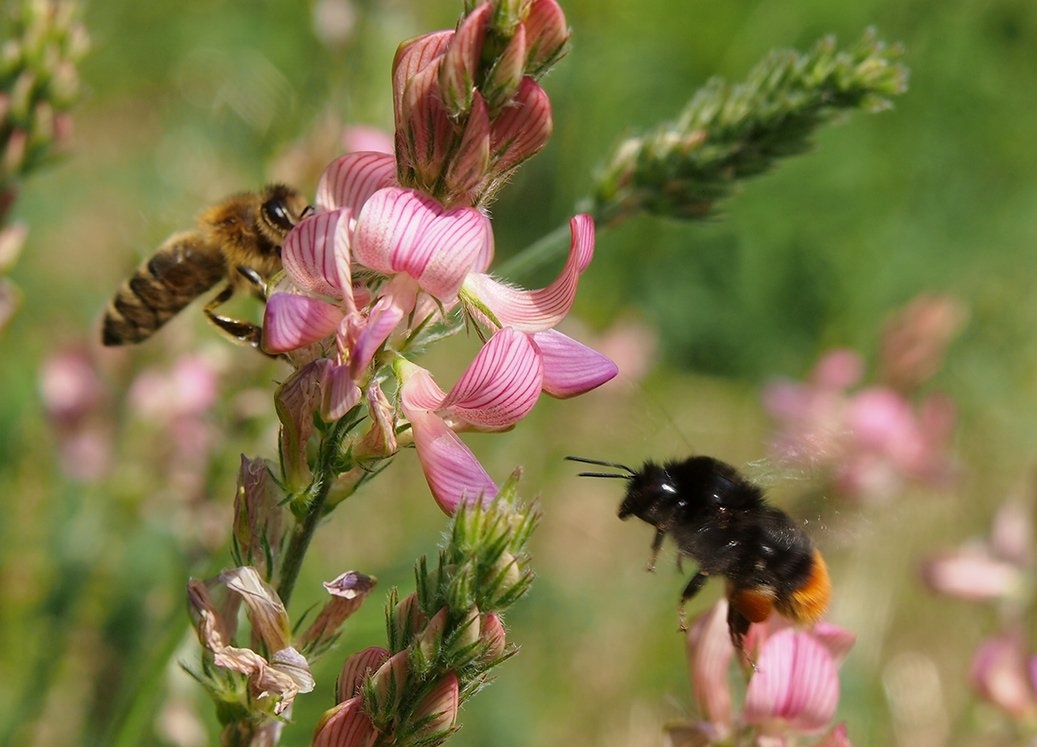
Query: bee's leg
[
  {"x": 244, "y": 332},
  {"x": 694, "y": 587},
  {"x": 738, "y": 626},
  {"x": 255, "y": 280},
  {"x": 657, "y": 544}
]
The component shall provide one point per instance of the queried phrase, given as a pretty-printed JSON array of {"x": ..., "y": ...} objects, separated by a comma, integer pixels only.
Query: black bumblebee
[{"x": 722, "y": 521}]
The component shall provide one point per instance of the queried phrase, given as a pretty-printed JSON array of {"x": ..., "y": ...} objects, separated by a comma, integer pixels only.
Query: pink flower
[
  {"x": 870, "y": 442},
  {"x": 570, "y": 368},
  {"x": 792, "y": 692},
  {"x": 1003, "y": 674},
  {"x": 996, "y": 568},
  {"x": 499, "y": 388}
]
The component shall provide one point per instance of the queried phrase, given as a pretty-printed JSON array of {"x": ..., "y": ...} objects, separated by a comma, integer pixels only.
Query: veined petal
[
  {"x": 402, "y": 230},
  {"x": 419, "y": 390},
  {"x": 523, "y": 128},
  {"x": 795, "y": 686},
  {"x": 291, "y": 321},
  {"x": 381, "y": 321},
  {"x": 411, "y": 57},
  {"x": 451, "y": 469},
  {"x": 537, "y": 310},
  {"x": 357, "y": 668},
  {"x": 345, "y": 725},
  {"x": 341, "y": 393},
  {"x": 309, "y": 255},
  {"x": 265, "y": 610},
  {"x": 500, "y": 386},
  {"x": 350, "y": 180},
  {"x": 570, "y": 367}
]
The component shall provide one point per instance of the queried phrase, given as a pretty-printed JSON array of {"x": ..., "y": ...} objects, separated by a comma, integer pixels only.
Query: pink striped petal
[
  {"x": 381, "y": 321},
  {"x": 350, "y": 180},
  {"x": 570, "y": 367},
  {"x": 357, "y": 668},
  {"x": 310, "y": 257},
  {"x": 451, "y": 469},
  {"x": 796, "y": 685},
  {"x": 534, "y": 311},
  {"x": 709, "y": 655},
  {"x": 340, "y": 393},
  {"x": 456, "y": 82},
  {"x": 500, "y": 386},
  {"x": 405, "y": 231},
  {"x": 291, "y": 321}
]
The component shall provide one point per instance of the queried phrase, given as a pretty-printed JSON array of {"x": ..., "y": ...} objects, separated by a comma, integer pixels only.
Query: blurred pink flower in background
[
  {"x": 870, "y": 442},
  {"x": 78, "y": 407},
  {"x": 1004, "y": 673}
]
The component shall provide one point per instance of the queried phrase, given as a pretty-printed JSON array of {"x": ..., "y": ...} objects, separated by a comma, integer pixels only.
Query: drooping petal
[
  {"x": 291, "y": 321},
  {"x": 537, "y": 310},
  {"x": 500, "y": 386},
  {"x": 420, "y": 390},
  {"x": 709, "y": 656},
  {"x": 265, "y": 610},
  {"x": 451, "y": 469},
  {"x": 350, "y": 180},
  {"x": 796, "y": 685},
  {"x": 310, "y": 258},
  {"x": 570, "y": 367},
  {"x": 381, "y": 321},
  {"x": 405, "y": 231}
]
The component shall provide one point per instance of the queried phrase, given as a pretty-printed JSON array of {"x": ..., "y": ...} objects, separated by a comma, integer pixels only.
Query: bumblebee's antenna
[{"x": 629, "y": 472}]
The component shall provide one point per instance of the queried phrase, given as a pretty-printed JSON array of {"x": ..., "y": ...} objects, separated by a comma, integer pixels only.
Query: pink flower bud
[
  {"x": 461, "y": 61},
  {"x": 348, "y": 591},
  {"x": 522, "y": 128},
  {"x": 439, "y": 706},
  {"x": 493, "y": 634},
  {"x": 547, "y": 35},
  {"x": 388, "y": 683},
  {"x": 345, "y": 725},
  {"x": 503, "y": 79},
  {"x": 408, "y": 617},
  {"x": 356, "y": 669}
]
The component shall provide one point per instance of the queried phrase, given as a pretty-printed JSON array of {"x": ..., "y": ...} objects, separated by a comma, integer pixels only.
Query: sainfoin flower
[
  {"x": 375, "y": 265},
  {"x": 793, "y": 690}
]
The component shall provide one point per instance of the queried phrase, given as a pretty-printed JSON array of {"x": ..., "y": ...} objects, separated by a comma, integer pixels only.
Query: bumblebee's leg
[
  {"x": 657, "y": 544},
  {"x": 694, "y": 587},
  {"x": 244, "y": 332},
  {"x": 738, "y": 626}
]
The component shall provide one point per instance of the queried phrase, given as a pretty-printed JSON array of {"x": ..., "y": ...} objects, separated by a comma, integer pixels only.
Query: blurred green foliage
[{"x": 190, "y": 101}]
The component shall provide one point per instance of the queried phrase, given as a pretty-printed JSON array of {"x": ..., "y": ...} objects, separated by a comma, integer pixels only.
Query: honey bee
[
  {"x": 237, "y": 241},
  {"x": 722, "y": 521}
]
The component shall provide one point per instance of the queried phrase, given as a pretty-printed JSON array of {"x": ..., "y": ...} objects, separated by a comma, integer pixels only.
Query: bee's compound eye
[{"x": 277, "y": 213}]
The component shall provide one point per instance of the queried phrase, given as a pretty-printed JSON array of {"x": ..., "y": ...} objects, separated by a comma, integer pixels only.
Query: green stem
[
  {"x": 318, "y": 489},
  {"x": 537, "y": 254}
]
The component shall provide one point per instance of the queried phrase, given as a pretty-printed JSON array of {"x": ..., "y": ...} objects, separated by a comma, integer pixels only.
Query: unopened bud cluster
[
  {"x": 730, "y": 132},
  {"x": 43, "y": 42},
  {"x": 443, "y": 639},
  {"x": 467, "y": 106}
]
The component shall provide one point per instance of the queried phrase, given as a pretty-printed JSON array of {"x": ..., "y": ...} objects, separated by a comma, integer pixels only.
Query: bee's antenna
[{"x": 629, "y": 472}]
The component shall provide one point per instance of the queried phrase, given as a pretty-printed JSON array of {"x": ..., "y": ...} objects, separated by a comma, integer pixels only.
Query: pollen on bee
[
  {"x": 810, "y": 600},
  {"x": 754, "y": 604}
]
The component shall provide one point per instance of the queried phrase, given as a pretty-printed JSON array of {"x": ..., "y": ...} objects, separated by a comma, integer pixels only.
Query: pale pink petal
[
  {"x": 1000, "y": 674},
  {"x": 451, "y": 469},
  {"x": 419, "y": 390},
  {"x": 341, "y": 393},
  {"x": 837, "y": 737},
  {"x": 974, "y": 575},
  {"x": 405, "y": 231},
  {"x": 836, "y": 639},
  {"x": 534, "y": 311},
  {"x": 350, "y": 180},
  {"x": 358, "y": 138},
  {"x": 500, "y": 386},
  {"x": 309, "y": 255},
  {"x": 381, "y": 321},
  {"x": 291, "y": 321},
  {"x": 795, "y": 685},
  {"x": 709, "y": 650},
  {"x": 570, "y": 367},
  {"x": 838, "y": 369},
  {"x": 1011, "y": 537}
]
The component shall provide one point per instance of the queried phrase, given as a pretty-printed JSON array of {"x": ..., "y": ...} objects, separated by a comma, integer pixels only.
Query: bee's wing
[{"x": 183, "y": 268}]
